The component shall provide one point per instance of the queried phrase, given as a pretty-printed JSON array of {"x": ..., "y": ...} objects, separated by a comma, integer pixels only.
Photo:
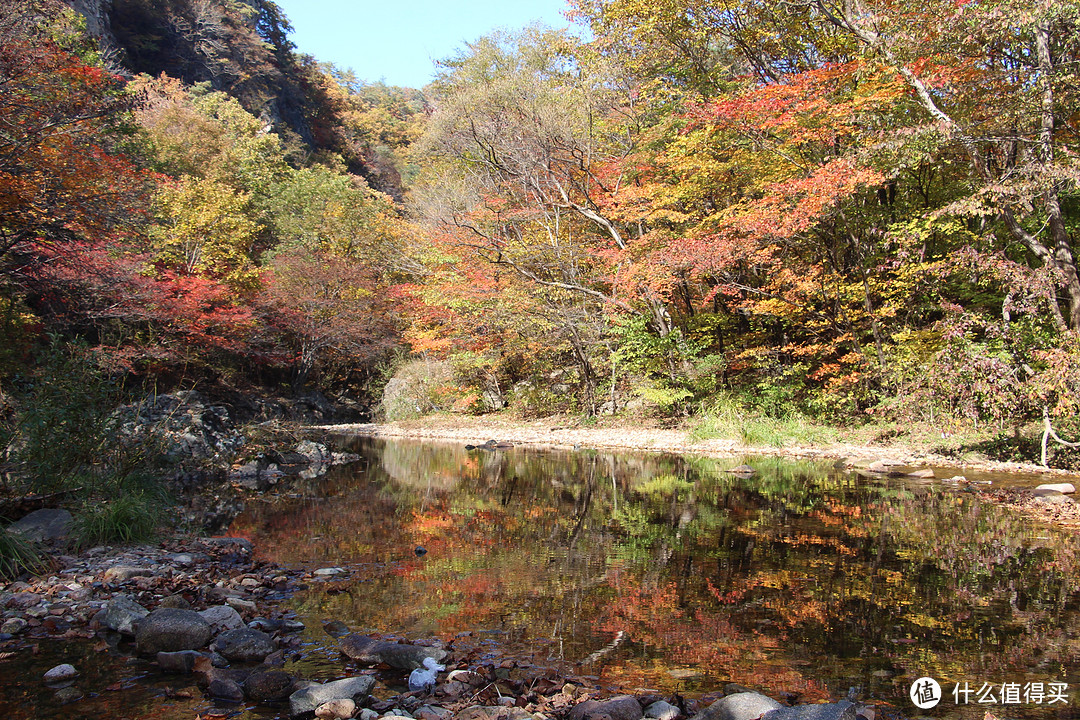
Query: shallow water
[{"x": 800, "y": 579}]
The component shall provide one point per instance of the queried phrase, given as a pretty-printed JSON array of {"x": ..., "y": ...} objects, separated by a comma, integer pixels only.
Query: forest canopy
[{"x": 843, "y": 212}]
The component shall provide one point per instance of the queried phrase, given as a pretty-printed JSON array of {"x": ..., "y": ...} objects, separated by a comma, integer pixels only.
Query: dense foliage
[{"x": 817, "y": 209}]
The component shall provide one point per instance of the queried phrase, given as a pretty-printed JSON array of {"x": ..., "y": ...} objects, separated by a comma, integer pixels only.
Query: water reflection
[{"x": 800, "y": 579}]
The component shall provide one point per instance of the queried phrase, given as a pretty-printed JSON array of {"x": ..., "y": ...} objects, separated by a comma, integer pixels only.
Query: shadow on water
[{"x": 666, "y": 572}]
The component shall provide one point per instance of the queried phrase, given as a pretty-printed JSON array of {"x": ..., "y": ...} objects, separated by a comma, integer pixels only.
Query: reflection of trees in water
[{"x": 797, "y": 575}]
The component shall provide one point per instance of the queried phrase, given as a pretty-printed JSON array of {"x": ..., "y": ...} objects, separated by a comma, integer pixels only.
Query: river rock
[
  {"x": 740, "y": 706},
  {"x": 182, "y": 661},
  {"x": 222, "y": 617},
  {"x": 123, "y": 573},
  {"x": 1051, "y": 496},
  {"x": 244, "y": 645},
  {"x": 397, "y": 655},
  {"x": 122, "y": 614},
  {"x": 241, "y": 604},
  {"x": 843, "y": 710},
  {"x": 307, "y": 699},
  {"x": 924, "y": 474},
  {"x": 340, "y": 709},
  {"x": 68, "y": 695},
  {"x": 23, "y": 600},
  {"x": 661, "y": 710},
  {"x": 223, "y": 688},
  {"x": 170, "y": 630},
  {"x": 269, "y": 685},
  {"x": 61, "y": 673},
  {"x": 745, "y": 470},
  {"x": 336, "y": 628},
  {"x": 1066, "y": 488},
  {"x": 620, "y": 707},
  {"x": 13, "y": 626},
  {"x": 48, "y": 525},
  {"x": 175, "y": 601}
]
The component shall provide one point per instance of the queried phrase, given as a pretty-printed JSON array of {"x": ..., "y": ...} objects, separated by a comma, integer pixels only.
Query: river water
[{"x": 672, "y": 573}]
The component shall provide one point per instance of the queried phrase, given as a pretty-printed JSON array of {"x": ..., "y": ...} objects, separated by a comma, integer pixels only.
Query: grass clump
[
  {"x": 18, "y": 555},
  {"x": 729, "y": 421},
  {"x": 130, "y": 518}
]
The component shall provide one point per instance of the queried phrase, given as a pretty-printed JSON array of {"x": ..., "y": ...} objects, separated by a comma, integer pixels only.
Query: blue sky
[{"x": 398, "y": 41}]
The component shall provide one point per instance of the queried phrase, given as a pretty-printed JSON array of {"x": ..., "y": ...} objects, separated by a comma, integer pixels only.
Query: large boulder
[
  {"x": 739, "y": 706},
  {"x": 171, "y": 630},
  {"x": 244, "y": 645},
  {"x": 48, "y": 525},
  {"x": 305, "y": 700},
  {"x": 370, "y": 651}
]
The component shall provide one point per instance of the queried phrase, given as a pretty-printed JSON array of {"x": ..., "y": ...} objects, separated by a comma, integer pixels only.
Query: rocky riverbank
[{"x": 205, "y": 610}]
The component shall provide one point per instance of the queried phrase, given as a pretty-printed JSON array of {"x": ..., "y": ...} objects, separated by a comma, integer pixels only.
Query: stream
[{"x": 802, "y": 581}]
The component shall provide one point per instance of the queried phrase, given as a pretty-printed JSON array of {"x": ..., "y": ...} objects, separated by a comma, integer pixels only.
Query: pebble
[{"x": 324, "y": 572}]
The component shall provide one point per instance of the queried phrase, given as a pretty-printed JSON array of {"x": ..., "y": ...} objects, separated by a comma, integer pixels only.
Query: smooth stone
[
  {"x": 742, "y": 470},
  {"x": 336, "y": 628},
  {"x": 1053, "y": 496},
  {"x": 170, "y": 630},
  {"x": 740, "y": 706},
  {"x": 122, "y": 614},
  {"x": 340, "y": 709},
  {"x": 323, "y": 572},
  {"x": 307, "y": 699},
  {"x": 924, "y": 474},
  {"x": 175, "y": 601},
  {"x": 13, "y": 626},
  {"x": 61, "y": 673},
  {"x": 225, "y": 689},
  {"x": 397, "y": 655},
  {"x": 661, "y": 710},
  {"x": 24, "y": 600},
  {"x": 432, "y": 712},
  {"x": 620, "y": 707},
  {"x": 244, "y": 645},
  {"x": 240, "y": 604},
  {"x": 123, "y": 573},
  {"x": 269, "y": 685},
  {"x": 843, "y": 710},
  {"x": 222, "y": 617},
  {"x": 1066, "y": 488}
]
